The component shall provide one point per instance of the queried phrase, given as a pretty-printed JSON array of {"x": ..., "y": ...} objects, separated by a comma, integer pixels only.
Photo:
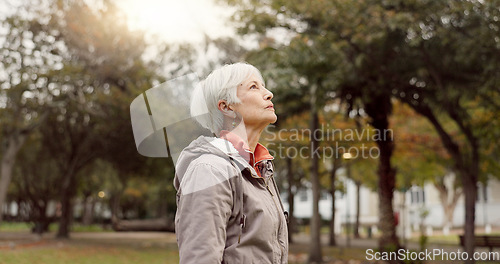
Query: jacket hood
[{"x": 201, "y": 146}]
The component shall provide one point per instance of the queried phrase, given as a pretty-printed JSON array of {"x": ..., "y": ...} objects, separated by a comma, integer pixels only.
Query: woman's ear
[{"x": 225, "y": 108}]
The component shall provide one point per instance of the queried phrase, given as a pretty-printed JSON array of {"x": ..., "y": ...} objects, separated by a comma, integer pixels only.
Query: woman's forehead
[{"x": 253, "y": 78}]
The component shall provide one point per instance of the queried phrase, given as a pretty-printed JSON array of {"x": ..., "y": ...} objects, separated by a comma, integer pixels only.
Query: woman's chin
[{"x": 273, "y": 120}]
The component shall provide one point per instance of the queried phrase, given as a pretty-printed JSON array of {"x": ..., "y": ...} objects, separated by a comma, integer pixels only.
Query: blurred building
[{"x": 418, "y": 209}]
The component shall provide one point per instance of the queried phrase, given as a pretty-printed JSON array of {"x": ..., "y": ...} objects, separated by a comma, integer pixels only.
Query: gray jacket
[{"x": 225, "y": 212}]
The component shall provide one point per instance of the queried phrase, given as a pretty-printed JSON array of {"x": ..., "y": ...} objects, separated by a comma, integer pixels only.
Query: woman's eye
[{"x": 254, "y": 87}]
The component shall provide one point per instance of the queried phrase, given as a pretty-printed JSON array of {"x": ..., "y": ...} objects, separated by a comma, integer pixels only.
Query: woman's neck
[{"x": 249, "y": 134}]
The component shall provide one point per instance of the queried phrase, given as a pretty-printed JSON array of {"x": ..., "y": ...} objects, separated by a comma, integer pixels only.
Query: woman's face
[{"x": 256, "y": 108}]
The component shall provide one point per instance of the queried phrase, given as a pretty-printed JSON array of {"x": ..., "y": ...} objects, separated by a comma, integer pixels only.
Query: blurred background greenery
[{"x": 426, "y": 70}]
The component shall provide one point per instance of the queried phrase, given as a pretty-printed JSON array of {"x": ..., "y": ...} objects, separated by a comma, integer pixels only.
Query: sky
[
  {"x": 171, "y": 20},
  {"x": 179, "y": 20},
  {"x": 174, "y": 21}
]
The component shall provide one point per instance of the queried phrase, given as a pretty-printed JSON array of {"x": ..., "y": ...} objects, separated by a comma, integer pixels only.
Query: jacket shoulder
[{"x": 206, "y": 171}]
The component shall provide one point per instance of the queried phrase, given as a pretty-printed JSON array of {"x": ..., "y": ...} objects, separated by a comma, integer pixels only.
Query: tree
[
  {"x": 389, "y": 50},
  {"x": 98, "y": 68},
  {"x": 309, "y": 95},
  {"x": 313, "y": 25},
  {"x": 450, "y": 32},
  {"x": 36, "y": 165},
  {"x": 69, "y": 137},
  {"x": 313, "y": 71},
  {"x": 421, "y": 157},
  {"x": 25, "y": 54},
  {"x": 333, "y": 188},
  {"x": 104, "y": 67},
  {"x": 414, "y": 76},
  {"x": 361, "y": 173},
  {"x": 349, "y": 135}
]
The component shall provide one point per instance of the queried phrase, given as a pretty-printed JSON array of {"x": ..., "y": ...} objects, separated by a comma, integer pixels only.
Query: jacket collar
[
  {"x": 235, "y": 147},
  {"x": 260, "y": 154}
]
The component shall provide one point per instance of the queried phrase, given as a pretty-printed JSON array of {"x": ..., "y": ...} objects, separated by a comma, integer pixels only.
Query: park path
[
  {"x": 19, "y": 239},
  {"x": 367, "y": 243},
  {"x": 22, "y": 240}
]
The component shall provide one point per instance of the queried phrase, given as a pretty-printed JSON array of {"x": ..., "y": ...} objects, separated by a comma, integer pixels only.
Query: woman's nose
[{"x": 269, "y": 95}]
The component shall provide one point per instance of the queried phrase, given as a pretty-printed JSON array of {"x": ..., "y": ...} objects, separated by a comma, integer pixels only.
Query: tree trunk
[
  {"x": 41, "y": 220},
  {"x": 315, "y": 255},
  {"x": 386, "y": 183},
  {"x": 291, "y": 200},
  {"x": 470, "y": 190},
  {"x": 466, "y": 165},
  {"x": 14, "y": 143},
  {"x": 66, "y": 215},
  {"x": 448, "y": 195},
  {"x": 451, "y": 207},
  {"x": 333, "y": 241},
  {"x": 115, "y": 206},
  {"x": 67, "y": 194},
  {"x": 88, "y": 211},
  {"x": 379, "y": 111},
  {"x": 356, "y": 227},
  {"x": 469, "y": 179}
]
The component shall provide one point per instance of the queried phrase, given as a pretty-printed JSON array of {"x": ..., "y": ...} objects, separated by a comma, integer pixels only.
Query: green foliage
[
  {"x": 80, "y": 66},
  {"x": 439, "y": 57},
  {"x": 34, "y": 180},
  {"x": 420, "y": 52},
  {"x": 419, "y": 155}
]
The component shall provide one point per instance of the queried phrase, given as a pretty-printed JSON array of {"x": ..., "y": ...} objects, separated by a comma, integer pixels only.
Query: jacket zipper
[
  {"x": 278, "y": 210},
  {"x": 274, "y": 201}
]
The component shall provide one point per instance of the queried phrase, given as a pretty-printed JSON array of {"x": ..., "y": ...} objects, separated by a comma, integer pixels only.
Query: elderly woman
[{"x": 228, "y": 206}]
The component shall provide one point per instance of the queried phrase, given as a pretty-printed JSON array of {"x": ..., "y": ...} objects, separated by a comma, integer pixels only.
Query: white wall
[{"x": 412, "y": 212}]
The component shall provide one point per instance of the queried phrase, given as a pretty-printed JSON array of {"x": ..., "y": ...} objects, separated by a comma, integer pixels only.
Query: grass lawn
[
  {"x": 124, "y": 248},
  {"x": 298, "y": 254},
  {"x": 83, "y": 252},
  {"x": 93, "y": 248},
  {"x": 88, "y": 254},
  {"x": 26, "y": 227},
  {"x": 451, "y": 239},
  {"x": 14, "y": 227}
]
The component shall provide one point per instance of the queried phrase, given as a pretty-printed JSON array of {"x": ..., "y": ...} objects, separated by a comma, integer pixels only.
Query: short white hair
[{"x": 221, "y": 84}]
